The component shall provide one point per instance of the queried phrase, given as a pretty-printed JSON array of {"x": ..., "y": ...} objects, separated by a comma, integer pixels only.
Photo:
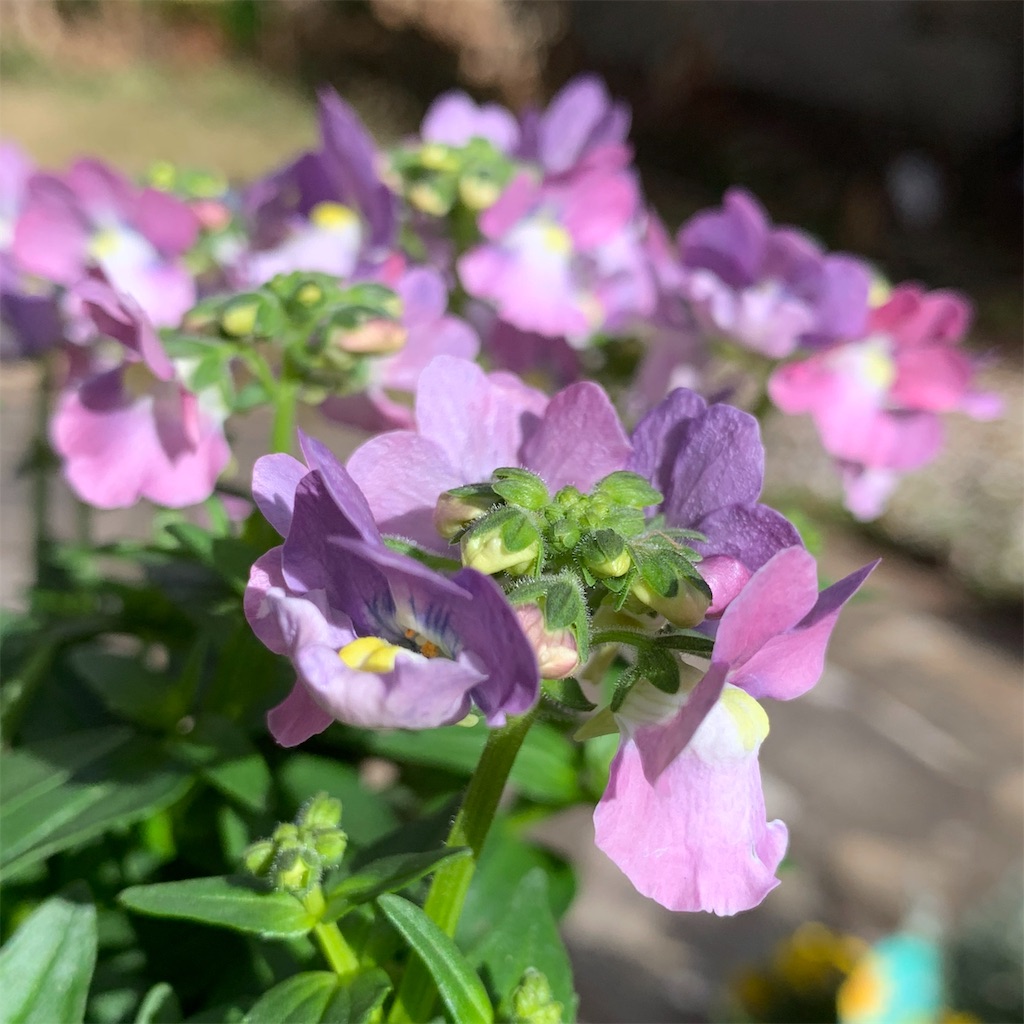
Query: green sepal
[
  {"x": 659, "y": 668},
  {"x": 520, "y": 487},
  {"x": 567, "y": 694},
  {"x": 625, "y": 488}
]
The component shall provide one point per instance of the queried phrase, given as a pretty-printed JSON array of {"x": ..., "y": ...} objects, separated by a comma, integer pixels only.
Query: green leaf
[
  {"x": 160, "y": 1006},
  {"x": 227, "y": 902},
  {"x": 520, "y": 487},
  {"x": 685, "y": 640},
  {"x": 545, "y": 769},
  {"x": 227, "y": 759},
  {"x": 461, "y": 990},
  {"x": 525, "y": 935},
  {"x": 130, "y": 690},
  {"x": 386, "y": 875},
  {"x": 46, "y": 965},
  {"x": 320, "y": 997},
  {"x": 60, "y": 792}
]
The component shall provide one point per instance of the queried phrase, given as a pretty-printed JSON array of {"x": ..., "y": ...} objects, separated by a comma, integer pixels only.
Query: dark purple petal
[
  {"x": 749, "y": 533},
  {"x": 340, "y": 486},
  {"x": 495, "y": 640}
]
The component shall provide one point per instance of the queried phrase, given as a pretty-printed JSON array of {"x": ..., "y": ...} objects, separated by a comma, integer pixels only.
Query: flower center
[
  {"x": 370, "y": 654},
  {"x": 333, "y": 216},
  {"x": 747, "y": 715}
]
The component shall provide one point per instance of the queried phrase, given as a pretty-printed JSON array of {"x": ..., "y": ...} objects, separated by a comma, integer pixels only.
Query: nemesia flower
[
  {"x": 768, "y": 289},
  {"x": 31, "y": 321},
  {"x": 708, "y": 463},
  {"x": 876, "y": 402},
  {"x": 683, "y": 815},
  {"x": 430, "y": 331},
  {"x": 377, "y": 639},
  {"x": 93, "y": 217},
  {"x": 133, "y": 431},
  {"x": 468, "y": 424},
  {"x": 582, "y": 117},
  {"x": 327, "y": 211},
  {"x": 562, "y": 256},
  {"x": 454, "y": 118}
]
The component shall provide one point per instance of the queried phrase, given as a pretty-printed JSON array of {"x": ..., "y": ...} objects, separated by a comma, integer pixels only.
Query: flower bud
[
  {"x": 377, "y": 337},
  {"x": 478, "y": 191},
  {"x": 320, "y": 811},
  {"x": 296, "y": 870},
  {"x": 684, "y": 606},
  {"x": 457, "y": 508},
  {"x": 258, "y": 859},
  {"x": 504, "y": 540},
  {"x": 605, "y": 554},
  {"x": 556, "y": 649},
  {"x": 533, "y": 1001},
  {"x": 330, "y": 845}
]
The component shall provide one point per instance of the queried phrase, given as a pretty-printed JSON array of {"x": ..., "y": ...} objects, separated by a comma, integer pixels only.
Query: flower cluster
[{"x": 502, "y": 544}]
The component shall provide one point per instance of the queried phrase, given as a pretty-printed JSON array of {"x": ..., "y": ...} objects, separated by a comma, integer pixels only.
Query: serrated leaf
[
  {"x": 226, "y": 902},
  {"x": 59, "y": 799},
  {"x": 386, "y": 875},
  {"x": 525, "y": 935},
  {"x": 47, "y": 964},
  {"x": 460, "y": 988}
]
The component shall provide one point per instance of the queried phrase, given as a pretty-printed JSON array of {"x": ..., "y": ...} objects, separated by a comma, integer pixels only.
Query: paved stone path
[{"x": 901, "y": 775}]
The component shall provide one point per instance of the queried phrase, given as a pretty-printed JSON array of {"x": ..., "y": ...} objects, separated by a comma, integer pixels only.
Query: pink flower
[
  {"x": 683, "y": 815},
  {"x": 92, "y": 217},
  {"x": 562, "y": 256},
  {"x": 134, "y": 431},
  {"x": 876, "y": 402}
]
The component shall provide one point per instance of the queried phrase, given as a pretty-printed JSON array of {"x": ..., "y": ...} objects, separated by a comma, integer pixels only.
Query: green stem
[
  {"x": 417, "y": 992},
  {"x": 282, "y": 432},
  {"x": 42, "y": 469},
  {"x": 335, "y": 949}
]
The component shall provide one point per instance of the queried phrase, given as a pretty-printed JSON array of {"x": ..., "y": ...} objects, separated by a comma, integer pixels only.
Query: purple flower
[
  {"x": 683, "y": 815},
  {"x": 92, "y": 217},
  {"x": 581, "y": 118},
  {"x": 31, "y": 321},
  {"x": 769, "y": 289},
  {"x": 469, "y": 424},
  {"x": 133, "y": 431},
  {"x": 562, "y": 257},
  {"x": 454, "y": 119},
  {"x": 327, "y": 211},
  {"x": 430, "y": 331},
  {"x": 377, "y": 639},
  {"x": 708, "y": 463},
  {"x": 876, "y": 401}
]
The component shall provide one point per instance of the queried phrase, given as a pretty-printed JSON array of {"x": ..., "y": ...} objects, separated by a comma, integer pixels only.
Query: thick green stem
[
  {"x": 335, "y": 949},
  {"x": 417, "y": 992},
  {"x": 282, "y": 432}
]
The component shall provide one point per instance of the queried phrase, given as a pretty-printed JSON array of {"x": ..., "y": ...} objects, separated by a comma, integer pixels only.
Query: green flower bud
[
  {"x": 457, "y": 508},
  {"x": 296, "y": 870},
  {"x": 625, "y": 488},
  {"x": 533, "y": 1001},
  {"x": 684, "y": 606},
  {"x": 258, "y": 859},
  {"x": 330, "y": 845},
  {"x": 478, "y": 191},
  {"x": 605, "y": 554},
  {"x": 320, "y": 811},
  {"x": 239, "y": 319},
  {"x": 504, "y": 540},
  {"x": 435, "y": 157}
]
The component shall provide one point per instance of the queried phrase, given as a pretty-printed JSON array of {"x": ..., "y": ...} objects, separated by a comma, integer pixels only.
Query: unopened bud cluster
[
  {"x": 562, "y": 556},
  {"x": 434, "y": 178},
  {"x": 326, "y": 331},
  {"x": 533, "y": 1001},
  {"x": 295, "y": 857}
]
